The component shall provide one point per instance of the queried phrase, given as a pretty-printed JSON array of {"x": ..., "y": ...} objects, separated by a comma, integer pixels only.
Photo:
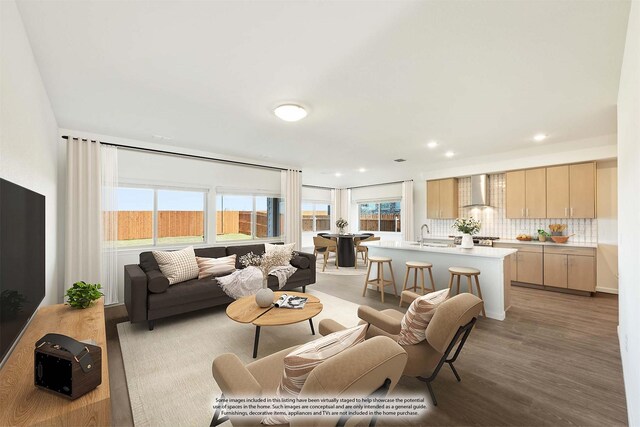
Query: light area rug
[
  {"x": 342, "y": 271},
  {"x": 168, "y": 369}
]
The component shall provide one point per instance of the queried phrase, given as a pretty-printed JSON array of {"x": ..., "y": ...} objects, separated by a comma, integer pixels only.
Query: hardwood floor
[{"x": 554, "y": 360}]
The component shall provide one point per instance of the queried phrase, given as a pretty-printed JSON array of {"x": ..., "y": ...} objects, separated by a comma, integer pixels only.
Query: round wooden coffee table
[{"x": 245, "y": 310}]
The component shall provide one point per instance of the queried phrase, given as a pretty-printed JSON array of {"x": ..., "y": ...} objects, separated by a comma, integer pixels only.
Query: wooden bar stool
[
  {"x": 379, "y": 281},
  {"x": 417, "y": 265},
  {"x": 468, "y": 272}
]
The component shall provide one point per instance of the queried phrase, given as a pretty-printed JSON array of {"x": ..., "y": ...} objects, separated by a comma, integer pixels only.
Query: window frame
[
  {"x": 155, "y": 217},
  {"x": 314, "y": 203},
  {"x": 254, "y": 215},
  {"x": 379, "y": 202}
]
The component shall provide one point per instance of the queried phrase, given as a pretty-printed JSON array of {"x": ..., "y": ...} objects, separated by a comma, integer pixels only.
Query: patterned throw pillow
[
  {"x": 285, "y": 250},
  {"x": 416, "y": 319},
  {"x": 215, "y": 267},
  {"x": 177, "y": 266},
  {"x": 301, "y": 361}
]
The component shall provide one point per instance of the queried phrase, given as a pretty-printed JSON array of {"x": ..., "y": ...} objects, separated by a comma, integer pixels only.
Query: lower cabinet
[{"x": 554, "y": 266}]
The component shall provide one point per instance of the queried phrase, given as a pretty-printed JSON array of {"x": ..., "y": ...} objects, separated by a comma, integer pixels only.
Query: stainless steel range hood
[{"x": 479, "y": 191}]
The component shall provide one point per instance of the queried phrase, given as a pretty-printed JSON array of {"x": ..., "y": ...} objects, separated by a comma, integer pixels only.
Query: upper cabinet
[
  {"x": 571, "y": 191},
  {"x": 526, "y": 194},
  {"x": 442, "y": 198}
]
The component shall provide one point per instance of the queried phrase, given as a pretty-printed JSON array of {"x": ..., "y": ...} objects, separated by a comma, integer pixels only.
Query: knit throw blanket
[{"x": 248, "y": 281}]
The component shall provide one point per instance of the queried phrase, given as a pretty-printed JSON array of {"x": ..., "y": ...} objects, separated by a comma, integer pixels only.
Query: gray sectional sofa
[{"x": 148, "y": 296}]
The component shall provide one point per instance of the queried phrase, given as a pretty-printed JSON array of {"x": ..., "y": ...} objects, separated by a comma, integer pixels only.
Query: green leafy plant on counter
[
  {"x": 82, "y": 295},
  {"x": 541, "y": 232}
]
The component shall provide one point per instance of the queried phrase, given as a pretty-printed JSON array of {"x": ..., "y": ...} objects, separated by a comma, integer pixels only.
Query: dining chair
[
  {"x": 324, "y": 246},
  {"x": 363, "y": 249}
]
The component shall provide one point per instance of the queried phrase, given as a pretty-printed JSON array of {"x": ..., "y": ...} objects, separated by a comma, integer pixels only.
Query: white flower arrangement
[
  {"x": 467, "y": 225},
  {"x": 266, "y": 262}
]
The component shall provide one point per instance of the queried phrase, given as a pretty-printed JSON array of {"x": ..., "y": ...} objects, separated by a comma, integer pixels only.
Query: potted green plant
[
  {"x": 468, "y": 227},
  {"x": 542, "y": 235},
  {"x": 82, "y": 294}
]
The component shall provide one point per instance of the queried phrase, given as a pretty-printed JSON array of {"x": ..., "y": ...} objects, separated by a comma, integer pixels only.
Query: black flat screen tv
[{"x": 22, "y": 260}]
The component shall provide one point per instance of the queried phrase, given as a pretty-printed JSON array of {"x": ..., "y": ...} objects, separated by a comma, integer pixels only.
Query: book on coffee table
[{"x": 290, "y": 301}]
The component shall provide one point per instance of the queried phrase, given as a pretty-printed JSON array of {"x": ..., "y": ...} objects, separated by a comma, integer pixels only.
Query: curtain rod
[
  {"x": 317, "y": 186},
  {"x": 173, "y": 153},
  {"x": 375, "y": 185}
]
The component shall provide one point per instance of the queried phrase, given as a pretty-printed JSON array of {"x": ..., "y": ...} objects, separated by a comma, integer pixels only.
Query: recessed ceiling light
[
  {"x": 540, "y": 137},
  {"x": 290, "y": 112},
  {"x": 432, "y": 144},
  {"x": 338, "y": 174},
  {"x": 362, "y": 170},
  {"x": 162, "y": 137},
  {"x": 449, "y": 154}
]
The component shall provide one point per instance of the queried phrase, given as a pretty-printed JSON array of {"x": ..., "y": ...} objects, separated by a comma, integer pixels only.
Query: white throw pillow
[
  {"x": 300, "y": 362},
  {"x": 215, "y": 267},
  {"x": 416, "y": 319},
  {"x": 286, "y": 250},
  {"x": 177, "y": 266}
]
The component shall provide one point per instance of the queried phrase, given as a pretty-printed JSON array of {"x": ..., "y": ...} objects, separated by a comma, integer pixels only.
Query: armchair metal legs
[{"x": 463, "y": 332}]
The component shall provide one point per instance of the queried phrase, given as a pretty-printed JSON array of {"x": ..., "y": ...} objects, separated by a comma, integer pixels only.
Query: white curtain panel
[
  {"x": 335, "y": 206},
  {"x": 406, "y": 211},
  {"x": 109, "y": 276},
  {"x": 292, "y": 190},
  {"x": 82, "y": 229},
  {"x": 345, "y": 209},
  {"x": 90, "y": 234}
]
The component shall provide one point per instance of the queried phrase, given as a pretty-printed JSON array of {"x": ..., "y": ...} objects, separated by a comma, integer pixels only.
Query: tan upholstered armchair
[
  {"x": 372, "y": 367},
  {"x": 450, "y": 325}
]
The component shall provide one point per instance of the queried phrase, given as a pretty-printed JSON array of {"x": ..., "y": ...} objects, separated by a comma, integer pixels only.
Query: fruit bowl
[
  {"x": 560, "y": 239},
  {"x": 524, "y": 238}
]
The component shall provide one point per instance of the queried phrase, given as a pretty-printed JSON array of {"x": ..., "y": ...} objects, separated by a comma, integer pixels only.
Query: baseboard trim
[{"x": 607, "y": 290}]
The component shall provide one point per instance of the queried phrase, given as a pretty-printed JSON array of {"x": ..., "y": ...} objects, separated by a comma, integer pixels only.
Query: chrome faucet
[{"x": 422, "y": 233}]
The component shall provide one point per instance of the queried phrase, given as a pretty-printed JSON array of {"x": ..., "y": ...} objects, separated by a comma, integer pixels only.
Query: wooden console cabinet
[{"x": 21, "y": 403}]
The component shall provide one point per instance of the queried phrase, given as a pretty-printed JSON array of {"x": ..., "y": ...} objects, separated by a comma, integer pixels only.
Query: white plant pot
[{"x": 467, "y": 241}]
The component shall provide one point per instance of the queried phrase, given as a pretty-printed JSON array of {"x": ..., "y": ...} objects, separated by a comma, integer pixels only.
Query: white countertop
[
  {"x": 547, "y": 243},
  {"x": 476, "y": 251}
]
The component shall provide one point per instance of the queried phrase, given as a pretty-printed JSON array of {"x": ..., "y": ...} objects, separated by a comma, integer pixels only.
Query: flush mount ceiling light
[
  {"x": 290, "y": 112},
  {"x": 449, "y": 154},
  {"x": 338, "y": 174},
  {"x": 362, "y": 170},
  {"x": 540, "y": 137},
  {"x": 432, "y": 144}
]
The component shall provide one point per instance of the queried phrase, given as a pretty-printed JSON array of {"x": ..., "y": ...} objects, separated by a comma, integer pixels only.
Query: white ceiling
[{"x": 379, "y": 78}]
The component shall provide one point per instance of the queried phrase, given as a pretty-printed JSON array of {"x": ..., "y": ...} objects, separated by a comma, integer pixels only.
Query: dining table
[{"x": 346, "y": 248}]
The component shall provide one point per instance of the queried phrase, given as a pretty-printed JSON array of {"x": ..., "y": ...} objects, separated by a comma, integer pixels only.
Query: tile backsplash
[{"x": 493, "y": 218}]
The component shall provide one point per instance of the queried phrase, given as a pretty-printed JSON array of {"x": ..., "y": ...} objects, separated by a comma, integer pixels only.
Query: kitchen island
[{"x": 493, "y": 264}]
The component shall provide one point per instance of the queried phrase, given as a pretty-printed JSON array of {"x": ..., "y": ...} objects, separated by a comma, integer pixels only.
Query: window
[
  {"x": 245, "y": 217},
  {"x": 316, "y": 216},
  {"x": 155, "y": 216},
  {"x": 379, "y": 216}
]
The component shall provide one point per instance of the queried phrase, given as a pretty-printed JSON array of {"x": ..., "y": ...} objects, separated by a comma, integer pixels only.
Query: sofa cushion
[
  {"x": 214, "y": 252},
  {"x": 215, "y": 267},
  {"x": 243, "y": 250},
  {"x": 157, "y": 282},
  {"x": 418, "y": 315},
  {"x": 280, "y": 252},
  {"x": 178, "y": 266},
  {"x": 300, "y": 262},
  {"x": 186, "y": 293},
  {"x": 148, "y": 262}
]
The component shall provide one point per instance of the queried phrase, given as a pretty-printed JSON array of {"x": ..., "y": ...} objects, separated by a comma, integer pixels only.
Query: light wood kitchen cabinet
[
  {"x": 442, "y": 198},
  {"x": 526, "y": 194},
  {"x": 570, "y": 268},
  {"x": 530, "y": 267},
  {"x": 571, "y": 191}
]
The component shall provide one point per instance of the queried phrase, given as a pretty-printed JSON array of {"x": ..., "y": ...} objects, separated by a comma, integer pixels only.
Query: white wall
[
  {"x": 29, "y": 135},
  {"x": 628, "y": 208}
]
